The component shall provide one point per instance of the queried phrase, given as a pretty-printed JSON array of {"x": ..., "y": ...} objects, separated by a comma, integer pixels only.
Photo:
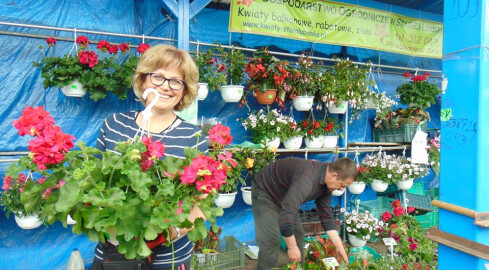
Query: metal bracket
[{"x": 465, "y": 245}]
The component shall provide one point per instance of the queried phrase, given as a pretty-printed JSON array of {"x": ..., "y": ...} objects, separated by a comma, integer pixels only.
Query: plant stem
[{"x": 115, "y": 166}]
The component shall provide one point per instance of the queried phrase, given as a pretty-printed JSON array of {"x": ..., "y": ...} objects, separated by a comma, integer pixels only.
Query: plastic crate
[
  {"x": 434, "y": 193},
  {"x": 428, "y": 220},
  {"x": 376, "y": 207},
  {"x": 311, "y": 223},
  {"x": 403, "y": 134},
  {"x": 420, "y": 202},
  {"x": 231, "y": 256},
  {"x": 417, "y": 188}
]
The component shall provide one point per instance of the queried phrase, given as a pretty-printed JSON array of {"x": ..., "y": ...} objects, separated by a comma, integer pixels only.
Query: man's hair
[{"x": 345, "y": 168}]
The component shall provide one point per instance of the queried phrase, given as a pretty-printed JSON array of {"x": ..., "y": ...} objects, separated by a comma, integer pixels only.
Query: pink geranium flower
[
  {"x": 221, "y": 135},
  {"x": 33, "y": 121}
]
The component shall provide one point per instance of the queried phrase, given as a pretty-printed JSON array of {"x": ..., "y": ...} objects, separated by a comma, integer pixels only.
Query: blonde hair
[{"x": 162, "y": 56}]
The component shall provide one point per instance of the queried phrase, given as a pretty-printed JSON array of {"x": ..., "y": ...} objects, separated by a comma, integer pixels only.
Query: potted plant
[
  {"x": 85, "y": 71},
  {"x": 315, "y": 131},
  {"x": 434, "y": 152},
  {"x": 350, "y": 83},
  {"x": 358, "y": 186},
  {"x": 267, "y": 75},
  {"x": 399, "y": 125},
  {"x": 331, "y": 133},
  {"x": 360, "y": 227},
  {"x": 233, "y": 60},
  {"x": 10, "y": 199},
  {"x": 300, "y": 85},
  {"x": 291, "y": 134},
  {"x": 210, "y": 244},
  {"x": 418, "y": 91},
  {"x": 211, "y": 73},
  {"x": 100, "y": 185},
  {"x": 265, "y": 127}
]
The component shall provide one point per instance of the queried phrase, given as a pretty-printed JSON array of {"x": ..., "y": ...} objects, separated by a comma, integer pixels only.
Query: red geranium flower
[
  {"x": 123, "y": 47},
  {"x": 386, "y": 216},
  {"x": 89, "y": 58},
  {"x": 33, "y": 121},
  {"x": 142, "y": 48},
  {"x": 82, "y": 40},
  {"x": 407, "y": 75},
  {"x": 221, "y": 135},
  {"x": 51, "y": 41},
  {"x": 113, "y": 49},
  {"x": 103, "y": 45}
]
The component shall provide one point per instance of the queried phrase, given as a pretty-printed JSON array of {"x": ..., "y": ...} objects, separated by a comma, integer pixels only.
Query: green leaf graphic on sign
[{"x": 446, "y": 114}]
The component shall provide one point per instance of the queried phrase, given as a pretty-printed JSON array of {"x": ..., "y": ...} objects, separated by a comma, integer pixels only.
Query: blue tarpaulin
[{"x": 50, "y": 247}]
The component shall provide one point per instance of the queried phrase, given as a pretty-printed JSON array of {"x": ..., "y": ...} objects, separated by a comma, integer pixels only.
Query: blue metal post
[{"x": 465, "y": 143}]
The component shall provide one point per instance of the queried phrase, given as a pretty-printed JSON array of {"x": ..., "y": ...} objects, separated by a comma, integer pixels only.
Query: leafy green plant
[
  {"x": 350, "y": 83},
  {"x": 301, "y": 81},
  {"x": 264, "y": 125},
  {"x": 211, "y": 242},
  {"x": 389, "y": 118},
  {"x": 315, "y": 128},
  {"x": 10, "y": 196},
  {"x": 234, "y": 64},
  {"x": 418, "y": 91},
  {"x": 210, "y": 71}
]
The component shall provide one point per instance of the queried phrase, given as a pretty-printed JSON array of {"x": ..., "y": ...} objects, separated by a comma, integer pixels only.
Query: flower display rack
[
  {"x": 417, "y": 188},
  {"x": 231, "y": 256},
  {"x": 404, "y": 134},
  {"x": 376, "y": 207}
]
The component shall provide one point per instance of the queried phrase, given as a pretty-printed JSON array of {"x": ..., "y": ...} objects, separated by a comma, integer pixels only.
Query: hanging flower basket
[
  {"x": 225, "y": 200},
  {"x": 232, "y": 93},
  {"x": 330, "y": 141},
  {"x": 293, "y": 143},
  {"x": 379, "y": 185},
  {"x": 406, "y": 184},
  {"x": 268, "y": 97},
  {"x": 28, "y": 222},
  {"x": 315, "y": 142},
  {"x": 356, "y": 187},
  {"x": 303, "y": 103},
  {"x": 339, "y": 108},
  {"x": 337, "y": 192},
  {"x": 355, "y": 241},
  {"x": 246, "y": 192},
  {"x": 74, "y": 89},
  {"x": 203, "y": 91}
]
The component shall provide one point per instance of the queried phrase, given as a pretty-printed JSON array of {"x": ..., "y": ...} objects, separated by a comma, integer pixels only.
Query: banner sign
[{"x": 338, "y": 24}]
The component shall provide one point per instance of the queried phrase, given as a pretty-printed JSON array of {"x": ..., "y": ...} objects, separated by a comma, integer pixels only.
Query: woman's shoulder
[
  {"x": 121, "y": 117},
  {"x": 185, "y": 125}
]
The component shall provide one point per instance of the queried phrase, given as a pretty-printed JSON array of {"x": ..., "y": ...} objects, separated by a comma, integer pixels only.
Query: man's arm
[
  {"x": 293, "y": 251},
  {"x": 336, "y": 240}
]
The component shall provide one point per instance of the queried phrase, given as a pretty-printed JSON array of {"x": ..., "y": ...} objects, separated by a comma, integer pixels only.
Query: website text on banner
[{"x": 339, "y": 24}]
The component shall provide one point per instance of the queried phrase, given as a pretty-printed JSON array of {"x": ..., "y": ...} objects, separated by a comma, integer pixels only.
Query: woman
[{"x": 174, "y": 75}]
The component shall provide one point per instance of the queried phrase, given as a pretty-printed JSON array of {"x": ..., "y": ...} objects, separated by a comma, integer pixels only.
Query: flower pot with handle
[
  {"x": 74, "y": 89},
  {"x": 27, "y": 222},
  {"x": 314, "y": 142},
  {"x": 379, "y": 185},
  {"x": 232, "y": 93},
  {"x": 355, "y": 241},
  {"x": 203, "y": 91},
  {"x": 303, "y": 103},
  {"x": 246, "y": 192},
  {"x": 293, "y": 143},
  {"x": 225, "y": 200},
  {"x": 338, "y": 108},
  {"x": 337, "y": 192},
  {"x": 330, "y": 141},
  {"x": 268, "y": 97},
  {"x": 356, "y": 187},
  {"x": 405, "y": 184}
]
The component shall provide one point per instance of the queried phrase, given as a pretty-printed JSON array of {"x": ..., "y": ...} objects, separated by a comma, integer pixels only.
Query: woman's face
[{"x": 168, "y": 98}]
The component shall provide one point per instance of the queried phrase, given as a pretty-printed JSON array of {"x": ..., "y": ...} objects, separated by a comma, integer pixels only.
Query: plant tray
[
  {"x": 417, "y": 188},
  {"x": 421, "y": 203},
  {"x": 231, "y": 256},
  {"x": 376, "y": 207},
  {"x": 404, "y": 134},
  {"x": 428, "y": 220}
]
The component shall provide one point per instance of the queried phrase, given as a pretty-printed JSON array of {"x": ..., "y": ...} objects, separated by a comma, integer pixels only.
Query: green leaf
[
  {"x": 134, "y": 248},
  {"x": 112, "y": 197},
  {"x": 199, "y": 231},
  {"x": 69, "y": 195}
]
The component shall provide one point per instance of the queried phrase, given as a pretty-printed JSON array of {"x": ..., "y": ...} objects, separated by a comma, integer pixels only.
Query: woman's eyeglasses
[{"x": 158, "y": 80}]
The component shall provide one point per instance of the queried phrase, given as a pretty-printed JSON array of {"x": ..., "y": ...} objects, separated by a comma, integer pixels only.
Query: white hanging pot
[
  {"x": 379, "y": 185},
  {"x": 338, "y": 108},
  {"x": 405, "y": 184},
  {"x": 356, "y": 187},
  {"x": 272, "y": 143},
  {"x": 31, "y": 221},
  {"x": 355, "y": 241},
  {"x": 337, "y": 192},
  {"x": 203, "y": 91},
  {"x": 330, "y": 141},
  {"x": 232, "y": 93},
  {"x": 293, "y": 143},
  {"x": 246, "y": 192},
  {"x": 74, "y": 89},
  {"x": 225, "y": 200},
  {"x": 70, "y": 220},
  {"x": 303, "y": 103},
  {"x": 315, "y": 142}
]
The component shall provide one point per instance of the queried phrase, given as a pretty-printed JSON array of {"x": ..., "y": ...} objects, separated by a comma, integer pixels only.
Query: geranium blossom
[
  {"x": 142, "y": 48},
  {"x": 50, "y": 147},
  {"x": 207, "y": 174},
  {"x": 82, "y": 41},
  {"x": 89, "y": 58},
  {"x": 154, "y": 150},
  {"x": 33, "y": 121},
  {"x": 221, "y": 135},
  {"x": 51, "y": 41}
]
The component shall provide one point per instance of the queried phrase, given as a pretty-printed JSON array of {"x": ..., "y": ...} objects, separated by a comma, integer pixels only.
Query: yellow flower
[{"x": 249, "y": 163}]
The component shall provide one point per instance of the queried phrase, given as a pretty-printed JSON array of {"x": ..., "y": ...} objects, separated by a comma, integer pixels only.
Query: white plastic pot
[
  {"x": 315, "y": 142},
  {"x": 340, "y": 108},
  {"x": 293, "y": 143},
  {"x": 355, "y": 241},
  {"x": 303, "y": 103},
  {"x": 406, "y": 184},
  {"x": 330, "y": 141},
  {"x": 225, "y": 200},
  {"x": 70, "y": 220},
  {"x": 28, "y": 222},
  {"x": 246, "y": 192},
  {"x": 232, "y": 93},
  {"x": 203, "y": 91},
  {"x": 356, "y": 187},
  {"x": 272, "y": 143},
  {"x": 337, "y": 192},
  {"x": 74, "y": 89},
  {"x": 379, "y": 185}
]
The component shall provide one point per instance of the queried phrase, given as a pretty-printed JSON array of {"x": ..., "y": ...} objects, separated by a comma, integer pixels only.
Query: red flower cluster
[
  {"x": 82, "y": 41},
  {"x": 220, "y": 135},
  {"x": 89, "y": 58},
  {"x": 49, "y": 144},
  {"x": 418, "y": 78},
  {"x": 154, "y": 150},
  {"x": 142, "y": 48},
  {"x": 51, "y": 41}
]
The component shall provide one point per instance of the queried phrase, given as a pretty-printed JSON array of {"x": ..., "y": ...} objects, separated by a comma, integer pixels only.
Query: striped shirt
[
  {"x": 290, "y": 182},
  {"x": 178, "y": 136}
]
